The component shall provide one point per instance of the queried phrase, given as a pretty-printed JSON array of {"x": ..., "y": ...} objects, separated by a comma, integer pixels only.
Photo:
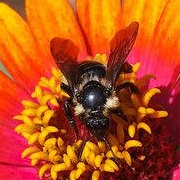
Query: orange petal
[
  {"x": 11, "y": 97},
  {"x": 49, "y": 19},
  {"x": 147, "y": 13},
  {"x": 157, "y": 43},
  {"x": 18, "y": 50},
  {"x": 166, "y": 43},
  {"x": 100, "y": 20}
]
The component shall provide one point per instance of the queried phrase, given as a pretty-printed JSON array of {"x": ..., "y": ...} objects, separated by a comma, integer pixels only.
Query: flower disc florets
[{"x": 136, "y": 143}]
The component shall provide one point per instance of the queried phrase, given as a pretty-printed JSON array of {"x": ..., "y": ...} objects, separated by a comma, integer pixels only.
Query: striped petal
[
  {"x": 11, "y": 96},
  {"x": 11, "y": 143},
  {"x": 49, "y": 19},
  {"x": 157, "y": 42},
  {"x": 18, "y": 50},
  {"x": 100, "y": 20},
  {"x": 166, "y": 44}
]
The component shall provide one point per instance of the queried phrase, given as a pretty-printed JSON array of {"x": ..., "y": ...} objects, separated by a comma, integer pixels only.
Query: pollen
[{"x": 55, "y": 152}]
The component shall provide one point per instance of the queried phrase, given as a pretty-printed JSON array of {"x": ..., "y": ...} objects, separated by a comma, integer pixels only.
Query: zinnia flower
[{"x": 32, "y": 119}]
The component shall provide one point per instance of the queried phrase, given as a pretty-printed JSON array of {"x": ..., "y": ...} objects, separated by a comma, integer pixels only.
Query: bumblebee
[{"x": 90, "y": 85}]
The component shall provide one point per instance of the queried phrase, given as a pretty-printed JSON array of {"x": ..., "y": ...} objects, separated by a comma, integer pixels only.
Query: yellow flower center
[{"x": 51, "y": 151}]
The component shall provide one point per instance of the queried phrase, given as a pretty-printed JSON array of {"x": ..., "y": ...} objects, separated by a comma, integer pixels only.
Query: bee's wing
[
  {"x": 120, "y": 47},
  {"x": 65, "y": 53}
]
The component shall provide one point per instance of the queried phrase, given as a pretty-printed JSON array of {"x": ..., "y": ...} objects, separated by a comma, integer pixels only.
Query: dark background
[{"x": 18, "y": 5}]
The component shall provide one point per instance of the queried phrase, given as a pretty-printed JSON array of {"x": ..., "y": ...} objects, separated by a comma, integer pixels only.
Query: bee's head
[{"x": 93, "y": 95}]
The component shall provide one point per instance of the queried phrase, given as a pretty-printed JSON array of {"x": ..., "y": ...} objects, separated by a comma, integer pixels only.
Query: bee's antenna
[
  {"x": 176, "y": 81},
  {"x": 104, "y": 138},
  {"x": 83, "y": 145}
]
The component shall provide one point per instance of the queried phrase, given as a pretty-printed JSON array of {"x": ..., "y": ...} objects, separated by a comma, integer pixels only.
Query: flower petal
[
  {"x": 157, "y": 42},
  {"x": 49, "y": 19},
  {"x": 147, "y": 13},
  {"x": 176, "y": 173},
  {"x": 166, "y": 44},
  {"x": 11, "y": 143},
  {"x": 100, "y": 20},
  {"x": 17, "y": 173},
  {"x": 18, "y": 50},
  {"x": 11, "y": 96}
]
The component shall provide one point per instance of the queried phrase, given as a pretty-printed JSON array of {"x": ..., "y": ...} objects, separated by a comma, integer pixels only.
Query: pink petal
[
  {"x": 11, "y": 143},
  {"x": 8, "y": 172}
]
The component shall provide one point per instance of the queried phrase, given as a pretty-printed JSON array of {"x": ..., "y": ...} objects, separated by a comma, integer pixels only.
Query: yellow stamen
[
  {"x": 60, "y": 142},
  {"x": 132, "y": 143},
  {"x": 34, "y": 162},
  {"x": 47, "y": 116},
  {"x": 144, "y": 126},
  {"x": 78, "y": 173},
  {"x": 29, "y": 112},
  {"x": 95, "y": 175},
  {"x": 50, "y": 143},
  {"x": 136, "y": 67},
  {"x": 45, "y": 132},
  {"x": 112, "y": 164},
  {"x": 29, "y": 104},
  {"x": 127, "y": 157},
  {"x": 90, "y": 159},
  {"x": 29, "y": 151},
  {"x": 159, "y": 114},
  {"x": 85, "y": 153},
  {"x": 102, "y": 146},
  {"x": 72, "y": 175},
  {"x": 92, "y": 147},
  {"x": 33, "y": 138},
  {"x": 81, "y": 165},
  {"x": 106, "y": 167},
  {"x": 53, "y": 173},
  {"x": 131, "y": 130},
  {"x": 61, "y": 167},
  {"x": 42, "y": 127},
  {"x": 97, "y": 160},
  {"x": 43, "y": 169},
  {"x": 148, "y": 95},
  {"x": 72, "y": 155},
  {"x": 41, "y": 110}
]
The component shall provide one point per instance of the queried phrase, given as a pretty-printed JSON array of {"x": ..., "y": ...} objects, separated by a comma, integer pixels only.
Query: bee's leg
[
  {"x": 70, "y": 116},
  {"x": 104, "y": 138},
  {"x": 126, "y": 68},
  {"x": 83, "y": 145},
  {"x": 132, "y": 86},
  {"x": 67, "y": 89},
  {"x": 119, "y": 113}
]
